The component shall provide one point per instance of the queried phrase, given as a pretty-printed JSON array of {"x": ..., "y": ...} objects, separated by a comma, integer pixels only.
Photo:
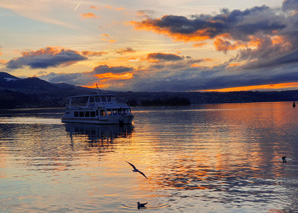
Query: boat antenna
[{"x": 97, "y": 90}]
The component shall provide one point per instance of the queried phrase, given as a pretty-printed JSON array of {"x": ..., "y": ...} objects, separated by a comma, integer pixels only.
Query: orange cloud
[
  {"x": 199, "y": 44},
  {"x": 44, "y": 51},
  {"x": 235, "y": 64},
  {"x": 91, "y": 53},
  {"x": 257, "y": 87},
  {"x": 113, "y": 76},
  {"x": 105, "y": 79},
  {"x": 95, "y": 7},
  {"x": 107, "y": 38},
  {"x": 89, "y": 15},
  {"x": 225, "y": 45},
  {"x": 149, "y": 25}
]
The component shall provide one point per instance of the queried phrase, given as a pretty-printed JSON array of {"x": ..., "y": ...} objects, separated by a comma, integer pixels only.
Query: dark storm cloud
[
  {"x": 290, "y": 5},
  {"x": 44, "y": 58},
  {"x": 216, "y": 78},
  {"x": 164, "y": 57},
  {"x": 238, "y": 24},
  {"x": 106, "y": 69},
  {"x": 70, "y": 78}
]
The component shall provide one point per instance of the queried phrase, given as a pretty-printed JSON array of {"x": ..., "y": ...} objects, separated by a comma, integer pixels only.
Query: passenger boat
[{"x": 97, "y": 109}]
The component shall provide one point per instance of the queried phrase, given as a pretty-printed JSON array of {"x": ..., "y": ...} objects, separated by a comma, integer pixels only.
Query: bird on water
[
  {"x": 141, "y": 205},
  {"x": 284, "y": 160},
  {"x": 136, "y": 170}
]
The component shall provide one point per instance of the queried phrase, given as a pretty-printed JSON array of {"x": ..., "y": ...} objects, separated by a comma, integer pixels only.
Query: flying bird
[
  {"x": 141, "y": 205},
  {"x": 136, "y": 170}
]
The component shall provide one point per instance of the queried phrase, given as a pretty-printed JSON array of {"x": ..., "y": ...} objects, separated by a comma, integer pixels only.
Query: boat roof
[{"x": 92, "y": 95}]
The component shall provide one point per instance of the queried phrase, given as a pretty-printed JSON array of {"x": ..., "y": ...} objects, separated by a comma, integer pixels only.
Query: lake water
[{"x": 204, "y": 158}]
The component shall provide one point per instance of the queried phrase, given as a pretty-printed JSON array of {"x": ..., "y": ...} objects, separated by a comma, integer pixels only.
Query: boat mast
[{"x": 97, "y": 90}]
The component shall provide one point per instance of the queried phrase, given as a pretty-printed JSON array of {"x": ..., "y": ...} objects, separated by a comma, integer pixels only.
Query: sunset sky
[{"x": 153, "y": 45}]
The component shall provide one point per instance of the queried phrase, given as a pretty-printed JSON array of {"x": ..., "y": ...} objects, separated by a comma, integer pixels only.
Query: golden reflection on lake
[{"x": 207, "y": 158}]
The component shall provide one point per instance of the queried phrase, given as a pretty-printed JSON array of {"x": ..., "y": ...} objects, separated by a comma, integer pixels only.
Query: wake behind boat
[{"x": 97, "y": 109}]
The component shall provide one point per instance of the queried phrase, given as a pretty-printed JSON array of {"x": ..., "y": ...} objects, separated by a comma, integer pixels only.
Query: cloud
[
  {"x": 103, "y": 75},
  {"x": 106, "y": 69},
  {"x": 94, "y": 7},
  {"x": 145, "y": 13},
  {"x": 201, "y": 44},
  {"x": 237, "y": 24},
  {"x": 126, "y": 50},
  {"x": 262, "y": 36},
  {"x": 157, "y": 57},
  {"x": 290, "y": 5},
  {"x": 107, "y": 37},
  {"x": 45, "y": 58},
  {"x": 89, "y": 15},
  {"x": 226, "y": 45},
  {"x": 197, "y": 78},
  {"x": 92, "y": 53}
]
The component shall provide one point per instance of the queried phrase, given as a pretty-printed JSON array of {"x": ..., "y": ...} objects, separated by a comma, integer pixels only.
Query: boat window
[
  {"x": 113, "y": 99},
  {"x": 102, "y": 113},
  {"x": 109, "y": 112},
  {"x": 97, "y": 99},
  {"x": 76, "y": 114},
  {"x": 81, "y": 114},
  {"x": 103, "y": 99},
  {"x": 109, "y": 98},
  {"x": 114, "y": 111},
  {"x": 119, "y": 112},
  {"x": 92, "y": 114},
  {"x": 87, "y": 114}
]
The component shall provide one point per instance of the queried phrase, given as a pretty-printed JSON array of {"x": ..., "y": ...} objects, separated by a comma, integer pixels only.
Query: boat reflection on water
[{"x": 98, "y": 134}]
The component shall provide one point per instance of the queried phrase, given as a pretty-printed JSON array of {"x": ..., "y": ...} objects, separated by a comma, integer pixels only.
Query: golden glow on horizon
[
  {"x": 256, "y": 87},
  {"x": 106, "y": 77}
]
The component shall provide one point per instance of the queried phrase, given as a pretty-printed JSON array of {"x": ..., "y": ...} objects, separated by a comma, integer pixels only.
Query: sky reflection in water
[{"x": 211, "y": 158}]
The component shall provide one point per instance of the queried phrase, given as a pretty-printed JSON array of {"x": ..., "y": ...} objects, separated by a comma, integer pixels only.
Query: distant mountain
[
  {"x": 5, "y": 77},
  {"x": 34, "y": 92}
]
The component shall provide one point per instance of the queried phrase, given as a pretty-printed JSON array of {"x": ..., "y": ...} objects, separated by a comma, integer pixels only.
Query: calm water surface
[{"x": 205, "y": 158}]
